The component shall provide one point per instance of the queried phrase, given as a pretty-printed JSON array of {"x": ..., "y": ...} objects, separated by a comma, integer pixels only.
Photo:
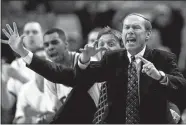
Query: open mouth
[
  {"x": 131, "y": 40},
  {"x": 53, "y": 55}
]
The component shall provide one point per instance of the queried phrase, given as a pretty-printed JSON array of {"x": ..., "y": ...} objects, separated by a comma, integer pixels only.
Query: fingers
[
  {"x": 143, "y": 59},
  {"x": 6, "y": 33},
  {"x": 4, "y": 41},
  {"x": 9, "y": 29},
  {"x": 100, "y": 49},
  {"x": 22, "y": 37},
  {"x": 15, "y": 28},
  {"x": 95, "y": 43},
  {"x": 81, "y": 50},
  {"x": 147, "y": 67},
  {"x": 86, "y": 46},
  {"x": 149, "y": 71}
]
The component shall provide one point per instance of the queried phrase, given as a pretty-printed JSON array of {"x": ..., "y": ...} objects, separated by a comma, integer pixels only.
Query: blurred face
[
  {"x": 162, "y": 14},
  {"x": 108, "y": 41},
  {"x": 55, "y": 47},
  {"x": 33, "y": 34},
  {"x": 92, "y": 37},
  {"x": 134, "y": 34}
]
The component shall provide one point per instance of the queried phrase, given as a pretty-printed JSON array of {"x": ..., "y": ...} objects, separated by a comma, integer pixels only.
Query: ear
[{"x": 148, "y": 34}]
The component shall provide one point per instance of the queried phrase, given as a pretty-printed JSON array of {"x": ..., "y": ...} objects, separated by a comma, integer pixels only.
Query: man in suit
[
  {"x": 159, "y": 82},
  {"x": 154, "y": 77}
]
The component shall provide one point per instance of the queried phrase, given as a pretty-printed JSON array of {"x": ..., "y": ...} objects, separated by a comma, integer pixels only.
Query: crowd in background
[{"x": 79, "y": 18}]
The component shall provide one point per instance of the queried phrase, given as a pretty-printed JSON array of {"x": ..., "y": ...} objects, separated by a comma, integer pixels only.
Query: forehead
[
  {"x": 50, "y": 37},
  {"x": 93, "y": 35},
  {"x": 133, "y": 19},
  {"x": 32, "y": 26},
  {"x": 107, "y": 37}
]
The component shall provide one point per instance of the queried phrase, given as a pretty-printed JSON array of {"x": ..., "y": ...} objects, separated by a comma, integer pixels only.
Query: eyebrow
[{"x": 132, "y": 24}]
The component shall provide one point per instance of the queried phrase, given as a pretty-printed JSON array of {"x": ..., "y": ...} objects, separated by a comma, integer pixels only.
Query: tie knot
[{"x": 132, "y": 58}]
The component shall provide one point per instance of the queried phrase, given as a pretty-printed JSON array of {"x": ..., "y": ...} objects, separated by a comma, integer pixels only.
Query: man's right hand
[
  {"x": 88, "y": 51},
  {"x": 14, "y": 41}
]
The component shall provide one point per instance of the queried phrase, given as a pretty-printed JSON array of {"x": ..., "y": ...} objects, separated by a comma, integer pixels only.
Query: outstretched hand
[
  {"x": 14, "y": 40},
  {"x": 90, "y": 50}
]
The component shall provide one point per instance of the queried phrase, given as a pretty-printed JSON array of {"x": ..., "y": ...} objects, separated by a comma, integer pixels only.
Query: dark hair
[
  {"x": 98, "y": 29},
  {"x": 148, "y": 25},
  {"x": 58, "y": 31},
  {"x": 115, "y": 33}
]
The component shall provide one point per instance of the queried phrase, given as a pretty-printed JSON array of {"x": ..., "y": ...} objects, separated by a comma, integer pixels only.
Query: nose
[
  {"x": 107, "y": 47},
  {"x": 50, "y": 47},
  {"x": 130, "y": 31}
]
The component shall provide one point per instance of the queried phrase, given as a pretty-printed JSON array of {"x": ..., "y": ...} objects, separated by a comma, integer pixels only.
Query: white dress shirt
[
  {"x": 32, "y": 104},
  {"x": 14, "y": 85}
]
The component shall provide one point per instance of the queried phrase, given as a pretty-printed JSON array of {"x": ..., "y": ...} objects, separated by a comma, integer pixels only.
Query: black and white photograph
[{"x": 93, "y": 62}]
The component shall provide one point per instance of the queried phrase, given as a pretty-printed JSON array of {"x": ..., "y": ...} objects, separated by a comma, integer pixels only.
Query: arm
[
  {"x": 175, "y": 78},
  {"x": 52, "y": 71},
  {"x": 8, "y": 100},
  {"x": 17, "y": 75},
  {"x": 92, "y": 72},
  {"x": 176, "y": 87},
  {"x": 21, "y": 110}
]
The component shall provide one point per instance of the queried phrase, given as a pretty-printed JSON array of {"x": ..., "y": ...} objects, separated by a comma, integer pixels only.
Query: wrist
[
  {"x": 84, "y": 59},
  {"x": 23, "y": 52},
  {"x": 162, "y": 76}
]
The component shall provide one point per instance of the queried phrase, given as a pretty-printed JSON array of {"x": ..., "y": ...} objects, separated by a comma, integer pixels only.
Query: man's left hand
[{"x": 150, "y": 69}]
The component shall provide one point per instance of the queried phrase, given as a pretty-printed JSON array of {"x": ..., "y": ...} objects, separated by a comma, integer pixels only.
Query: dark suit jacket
[
  {"x": 113, "y": 69},
  {"x": 153, "y": 95}
]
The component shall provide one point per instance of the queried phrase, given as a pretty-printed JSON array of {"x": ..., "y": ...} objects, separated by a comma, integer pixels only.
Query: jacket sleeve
[
  {"x": 176, "y": 82},
  {"x": 97, "y": 71},
  {"x": 176, "y": 79},
  {"x": 53, "y": 72}
]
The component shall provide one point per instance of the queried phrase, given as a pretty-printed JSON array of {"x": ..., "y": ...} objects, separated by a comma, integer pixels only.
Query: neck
[{"x": 66, "y": 60}]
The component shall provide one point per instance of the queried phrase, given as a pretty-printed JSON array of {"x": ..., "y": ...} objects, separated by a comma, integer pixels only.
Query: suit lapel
[
  {"x": 145, "y": 81},
  {"x": 123, "y": 63}
]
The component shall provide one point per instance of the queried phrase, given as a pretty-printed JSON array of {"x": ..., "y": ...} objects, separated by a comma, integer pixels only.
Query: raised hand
[
  {"x": 90, "y": 50},
  {"x": 150, "y": 69},
  {"x": 14, "y": 41}
]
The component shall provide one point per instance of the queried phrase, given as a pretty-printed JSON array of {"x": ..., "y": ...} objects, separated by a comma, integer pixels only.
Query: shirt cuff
[
  {"x": 83, "y": 66},
  {"x": 28, "y": 59},
  {"x": 165, "y": 80}
]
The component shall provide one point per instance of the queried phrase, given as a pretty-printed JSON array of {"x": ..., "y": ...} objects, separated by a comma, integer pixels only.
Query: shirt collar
[{"x": 141, "y": 53}]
